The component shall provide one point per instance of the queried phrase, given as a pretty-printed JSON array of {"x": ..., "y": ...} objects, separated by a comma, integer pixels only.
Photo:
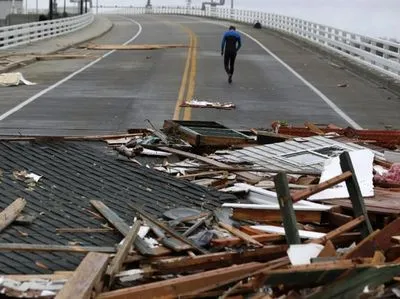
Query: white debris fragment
[
  {"x": 33, "y": 176},
  {"x": 207, "y": 104},
  {"x": 13, "y": 79},
  {"x": 302, "y": 254}
]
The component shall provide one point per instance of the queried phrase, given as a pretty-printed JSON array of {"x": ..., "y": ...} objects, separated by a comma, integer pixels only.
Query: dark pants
[{"x": 229, "y": 62}]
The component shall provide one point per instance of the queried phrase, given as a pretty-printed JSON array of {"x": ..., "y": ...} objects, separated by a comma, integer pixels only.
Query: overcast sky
[{"x": 377, "y": 18}]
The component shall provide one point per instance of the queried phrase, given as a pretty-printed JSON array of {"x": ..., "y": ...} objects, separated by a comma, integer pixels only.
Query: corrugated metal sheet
[{"x": 302, "y": 154}]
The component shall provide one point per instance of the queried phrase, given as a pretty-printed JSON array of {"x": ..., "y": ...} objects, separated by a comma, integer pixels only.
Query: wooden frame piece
[
  {"x": 85, "y": 277},
  {"x": 287, "y": 210},
  {"x": 10, "y": 213}
]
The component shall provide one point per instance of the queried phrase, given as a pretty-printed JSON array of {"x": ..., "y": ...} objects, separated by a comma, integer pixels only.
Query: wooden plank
[
  {"x": 304, "y": 194},
  {"x": 169, "y": 242},
  {"x": 217, "y": 260},
  {"x": 85, "y": 277},
  {"x": 355, "y": 193},
  {"x": 10, "y": 213},
  {"x": 248, "y": 177},
  {"x": 338, "y": 231},
  {"x": 287, "y": 210},
  {"x": 186, "y": 285},
  {"x": 265, "y": 215},
  {"x": 169, "y": 230},
  {"x": 123, "y": 228},
  {"x": 245, "y": 237},
  {"x": 379, "y": 240},
  {"x": 203, "y": 174},
  {"x": 57, "y": 248},
  {"x": 262, "y": 238},
  {"x": 117, "y": 262}
]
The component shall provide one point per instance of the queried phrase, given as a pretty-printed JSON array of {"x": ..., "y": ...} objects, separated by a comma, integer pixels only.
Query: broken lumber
[
  {"x": 217, "y": 260},
  {"x": 185, "y": 285},
  {"x": 27, "y": 277},
  {"x": 121, "y": 226},
  {"x": 249, "y": 177},
  {"x": 85, "y": 277},
  {"x": 245, "y": 237},
  {"x": 287, "y": 210},
  {"x": 169, "y": 230},
  {"x": 262, "y": 238},
  {"x": 304, "y": 194},
  {"x": 338, "y": 231},
  {"x": 10, "y": 213},
  {"x": 356, "y": 198},
  {"x": 117, "y": 262},
  {"x": 55, "y": 248}
]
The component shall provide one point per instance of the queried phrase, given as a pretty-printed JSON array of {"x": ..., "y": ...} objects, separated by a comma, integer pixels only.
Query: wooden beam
[
  {"x": 217, "y": 260},
  {"x": 117, "y": 262},
  {"x": 10, "y": 213},
  {"x": 248, "y": 177},
  {"x": 313, "y": 128},
  {"x": 55, "y": 248},
  {"x": 245, "y": 237},
  {"x": 186, "y": 285},
  {"x": 338, "y": 231},
  {"x": 355, "y": 193},
  {"x": 85, "y": 277},
  {"x": 335, "y": 218},
  {"x": 169, "y": 230},
  {"x": 287, "y": 210},
  {"x": 262, "y": 238},
  {"x": 121, "y": 226},
  {"x": 304, "y": 194}
]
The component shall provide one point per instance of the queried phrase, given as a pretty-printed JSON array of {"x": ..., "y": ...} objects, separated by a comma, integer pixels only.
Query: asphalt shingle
[{"x": 73, "y": 174}]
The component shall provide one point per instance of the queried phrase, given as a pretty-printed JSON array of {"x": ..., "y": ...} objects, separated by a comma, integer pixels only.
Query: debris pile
[{"x": 308, "y": 213}]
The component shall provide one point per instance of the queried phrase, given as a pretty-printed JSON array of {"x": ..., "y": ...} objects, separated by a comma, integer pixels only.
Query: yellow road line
[
  {"x": 185, "y": 74},
  {"x": 187, "y": 115}
]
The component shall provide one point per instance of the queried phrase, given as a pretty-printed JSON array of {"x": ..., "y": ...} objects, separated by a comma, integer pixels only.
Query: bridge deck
[{"x": 275, "y": 79}]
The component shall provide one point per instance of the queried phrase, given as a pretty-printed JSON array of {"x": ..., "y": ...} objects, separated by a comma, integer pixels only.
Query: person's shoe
[{"x": 230, "y": 79}]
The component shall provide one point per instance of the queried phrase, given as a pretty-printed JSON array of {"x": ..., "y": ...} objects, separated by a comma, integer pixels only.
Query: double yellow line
[{"x": 188, "y": 83}]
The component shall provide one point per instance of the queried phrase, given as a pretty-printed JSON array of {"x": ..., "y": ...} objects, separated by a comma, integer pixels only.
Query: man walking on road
[{"x": 231, "y": 43}]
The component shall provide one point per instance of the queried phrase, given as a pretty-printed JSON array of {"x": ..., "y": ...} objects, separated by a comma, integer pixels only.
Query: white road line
[
  {"x": 319, "y": 93},
  {"x": 329, "y": 102},
  {"x": 44, "y": 91}
]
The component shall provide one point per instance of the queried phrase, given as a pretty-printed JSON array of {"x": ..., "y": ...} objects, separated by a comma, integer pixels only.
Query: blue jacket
[{"x": 231, "y": 41}]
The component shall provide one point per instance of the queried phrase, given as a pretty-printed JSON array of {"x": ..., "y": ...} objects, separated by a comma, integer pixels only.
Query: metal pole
[
  {"x": 50, "y": 9},
  {"x": 65, "y": 12},
  {"x": 37, "y": 6},
  {"x": 85, "y": 6},
  {"x": 231, "y": 4},
  {"x": 97, "y": 7},
  {"x": 81, "y": 7}
]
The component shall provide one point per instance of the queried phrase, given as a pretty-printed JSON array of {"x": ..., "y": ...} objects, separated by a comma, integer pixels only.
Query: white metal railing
[
  {"x": 21, "y": 34},
  {"x": 378, "y": 54}
]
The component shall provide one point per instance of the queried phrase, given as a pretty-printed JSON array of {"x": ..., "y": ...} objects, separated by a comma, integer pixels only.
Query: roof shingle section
[{"x": 73, "y": 174}]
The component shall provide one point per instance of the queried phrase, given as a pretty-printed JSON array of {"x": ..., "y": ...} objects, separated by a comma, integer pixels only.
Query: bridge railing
[
  {"x": 21, "y": 34},
  {"x": 375, "y": 53}
]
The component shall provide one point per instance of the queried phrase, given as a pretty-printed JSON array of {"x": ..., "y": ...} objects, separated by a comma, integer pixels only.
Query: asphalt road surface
[{"x": 275, "y": 79}]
